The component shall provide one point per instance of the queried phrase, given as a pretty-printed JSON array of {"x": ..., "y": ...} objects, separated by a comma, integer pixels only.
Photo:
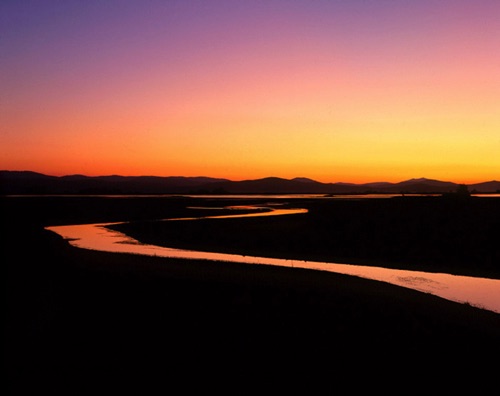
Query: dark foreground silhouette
[
  {"x": 85, "y": 322},
  {"x": 453, "y": 234}
]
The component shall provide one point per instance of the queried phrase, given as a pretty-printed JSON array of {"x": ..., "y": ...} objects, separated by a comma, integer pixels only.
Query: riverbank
[
  {"x": 431, "y": 234},
  {"x": 85, "y": 322}
]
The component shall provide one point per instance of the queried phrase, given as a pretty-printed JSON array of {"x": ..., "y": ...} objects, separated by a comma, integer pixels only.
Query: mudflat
[{"x": 87, "y": 322}]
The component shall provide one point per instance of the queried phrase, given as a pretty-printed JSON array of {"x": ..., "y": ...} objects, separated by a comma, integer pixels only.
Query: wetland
[{"x": 78, "y": 320}]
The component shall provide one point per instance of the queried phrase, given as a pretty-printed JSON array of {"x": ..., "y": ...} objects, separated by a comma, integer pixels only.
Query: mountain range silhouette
[{"x": 28, "y": 182}]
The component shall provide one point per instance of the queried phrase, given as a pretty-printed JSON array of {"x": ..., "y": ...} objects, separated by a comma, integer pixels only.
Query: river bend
[{"x": 480, "y": 292}]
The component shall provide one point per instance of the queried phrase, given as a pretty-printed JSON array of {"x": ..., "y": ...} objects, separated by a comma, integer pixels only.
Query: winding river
[{"x": 480, "y": 292}]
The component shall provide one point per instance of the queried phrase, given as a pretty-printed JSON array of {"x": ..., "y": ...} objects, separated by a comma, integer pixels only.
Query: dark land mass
[
  {"x": 87, "y": 322},
  {"x": 26, "y": 182},
  {"x": 452, "y": 234}
]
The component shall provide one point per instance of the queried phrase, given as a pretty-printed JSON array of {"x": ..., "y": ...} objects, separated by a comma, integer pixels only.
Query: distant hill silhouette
[{"x": 27, "y": 182}]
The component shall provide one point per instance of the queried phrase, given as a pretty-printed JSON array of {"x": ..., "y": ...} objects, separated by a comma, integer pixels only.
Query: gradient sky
[{"x": 351, "y": 90}]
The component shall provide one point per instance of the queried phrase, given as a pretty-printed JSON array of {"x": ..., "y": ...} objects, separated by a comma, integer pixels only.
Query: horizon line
[{"x": 247, "y": 179}]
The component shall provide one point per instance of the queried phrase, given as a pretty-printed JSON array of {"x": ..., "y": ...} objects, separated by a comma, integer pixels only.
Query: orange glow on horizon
[{"x": 324, "y": 91}]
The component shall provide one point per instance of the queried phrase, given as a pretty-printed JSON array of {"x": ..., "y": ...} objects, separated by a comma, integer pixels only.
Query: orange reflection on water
[{"x": 480, "y": 292}]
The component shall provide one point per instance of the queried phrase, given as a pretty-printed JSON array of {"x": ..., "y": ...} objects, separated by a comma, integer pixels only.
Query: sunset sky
[{"x": 337, "y": 91}]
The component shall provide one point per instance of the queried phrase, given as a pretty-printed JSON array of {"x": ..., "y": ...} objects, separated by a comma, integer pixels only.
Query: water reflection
[{"x": 480, "y": 292}]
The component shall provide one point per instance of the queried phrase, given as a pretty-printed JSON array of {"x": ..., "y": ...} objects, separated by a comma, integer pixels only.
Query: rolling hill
[{"x": 27, "y": 182}]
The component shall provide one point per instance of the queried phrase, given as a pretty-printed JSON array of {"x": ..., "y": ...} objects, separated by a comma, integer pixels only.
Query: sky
[{"x": 337, "y": 91}]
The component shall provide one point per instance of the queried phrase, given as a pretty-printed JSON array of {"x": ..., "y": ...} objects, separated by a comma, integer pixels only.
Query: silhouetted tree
[{"x": 462, "y": 190}]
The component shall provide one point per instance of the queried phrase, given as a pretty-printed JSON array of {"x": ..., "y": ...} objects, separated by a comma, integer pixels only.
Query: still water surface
[{"x": 479, "y": 292}]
